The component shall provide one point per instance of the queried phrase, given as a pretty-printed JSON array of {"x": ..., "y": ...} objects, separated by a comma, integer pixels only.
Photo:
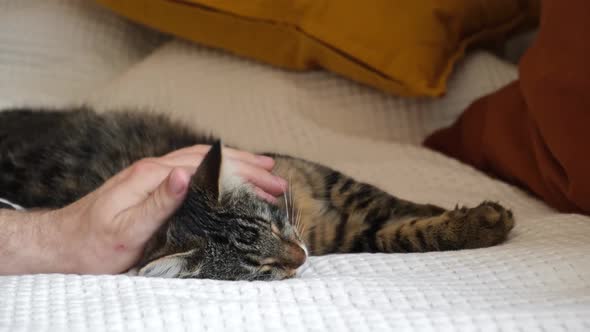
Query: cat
[{"x": 51, "y": 158}]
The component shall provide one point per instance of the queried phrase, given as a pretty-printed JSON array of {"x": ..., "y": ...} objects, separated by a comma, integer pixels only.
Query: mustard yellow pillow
[{"x": 406, "y": 47}]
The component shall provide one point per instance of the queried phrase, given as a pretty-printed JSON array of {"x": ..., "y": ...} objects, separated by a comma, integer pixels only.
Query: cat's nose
[{"x": 294, "y": 257}]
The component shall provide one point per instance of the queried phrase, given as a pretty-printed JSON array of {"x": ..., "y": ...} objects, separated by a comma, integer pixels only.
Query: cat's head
[{"x": 224, "y": 231}]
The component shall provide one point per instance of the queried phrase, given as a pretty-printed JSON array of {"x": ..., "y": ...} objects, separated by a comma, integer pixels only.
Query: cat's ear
[
  {"x": 171, "y": 266},
  {"x": 207, "y": 176}
]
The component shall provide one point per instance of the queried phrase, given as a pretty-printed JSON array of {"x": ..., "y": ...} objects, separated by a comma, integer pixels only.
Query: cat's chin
[
  {"x": 291, "y": 274},
  {"x": 134, "y": 272}
]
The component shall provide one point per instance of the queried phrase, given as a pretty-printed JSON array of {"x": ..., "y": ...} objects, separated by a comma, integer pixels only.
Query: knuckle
[
  {"x": 201, "y": 149},
  {"x": 243, "y": 155},
  {"x": 158, "y": 202},
  {"x": 144, "y": 166},
  {"x": 159, "y": 199},
  {"x": 242, "y": 168},
  {"x": 112, "y": 230}
]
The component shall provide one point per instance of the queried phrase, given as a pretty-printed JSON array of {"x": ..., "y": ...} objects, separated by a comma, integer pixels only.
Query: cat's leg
[
  {"x": 486, "y": 225},
  {"x": 339, "y": 214}
]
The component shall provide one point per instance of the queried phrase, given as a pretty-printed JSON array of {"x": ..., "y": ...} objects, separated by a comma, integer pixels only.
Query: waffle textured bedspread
[{"x": 61, "y": 52}]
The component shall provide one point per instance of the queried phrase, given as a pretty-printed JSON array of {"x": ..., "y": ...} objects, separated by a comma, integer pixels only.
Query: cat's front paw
[{"x": 485, "y": 225}]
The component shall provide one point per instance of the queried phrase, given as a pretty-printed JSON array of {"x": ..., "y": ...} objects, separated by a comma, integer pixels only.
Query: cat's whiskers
[
  {"x": 299, "y": 220},
  {"x": 286, "y": 205},
  {"x": 289, "y": 206},
  {"x": 301, "y": 226},
  {"x": 291, "y": 197}
]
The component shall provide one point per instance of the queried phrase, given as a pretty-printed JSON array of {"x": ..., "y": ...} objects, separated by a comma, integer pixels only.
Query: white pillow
[
  {"x": 195, "y": 82},
  {"x": 55, "y": 51}
]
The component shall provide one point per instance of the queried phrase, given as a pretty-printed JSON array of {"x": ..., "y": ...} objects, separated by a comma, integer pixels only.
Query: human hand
[{"x": 106, "y": 231}]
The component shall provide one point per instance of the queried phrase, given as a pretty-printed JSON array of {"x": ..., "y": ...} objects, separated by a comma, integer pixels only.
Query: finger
[
  {"x": 198, "y": 149},
  {"x": 146, "y": 175},
  {"x": 147, "y": 216},
  {"x": 142, "y": 180},
  {"x": 260, "y": 178},
  {"x": 265, "y": 196},
  {"x": 138, "y": 168},
  {"x": 190, "y": 163},
  {"x": 182, "y": 160},
  {"x": 194, "y": 160},
  {"x": 258, "y": 160}
]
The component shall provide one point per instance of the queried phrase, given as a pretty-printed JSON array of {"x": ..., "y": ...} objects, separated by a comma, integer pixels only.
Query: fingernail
[
  {"x": 177, "y": 183},
  {"x": 265, "y": 196},
  {"x": 282, "y": 182},
  {"x": 265, "y": 160},
  {"x": 271, "y": 199}
]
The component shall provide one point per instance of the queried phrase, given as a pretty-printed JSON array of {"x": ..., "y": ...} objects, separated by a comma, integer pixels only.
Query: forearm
[{"x": 31, "y": 243}]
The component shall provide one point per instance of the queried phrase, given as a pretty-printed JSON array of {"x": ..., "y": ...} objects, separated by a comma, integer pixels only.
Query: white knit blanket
[{"x": 59, "y": 52}]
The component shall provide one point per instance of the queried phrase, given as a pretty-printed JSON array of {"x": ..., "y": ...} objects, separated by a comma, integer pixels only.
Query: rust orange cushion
[
  {"x": 536, "y": 131},
  {"x": 406, "y": 47}
]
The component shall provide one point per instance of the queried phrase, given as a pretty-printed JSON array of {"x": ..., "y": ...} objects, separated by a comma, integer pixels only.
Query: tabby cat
[{"x": 50, "y": 158}]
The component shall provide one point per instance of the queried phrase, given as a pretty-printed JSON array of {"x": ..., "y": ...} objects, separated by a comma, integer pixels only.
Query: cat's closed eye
[{"x": 288, "y": 271}]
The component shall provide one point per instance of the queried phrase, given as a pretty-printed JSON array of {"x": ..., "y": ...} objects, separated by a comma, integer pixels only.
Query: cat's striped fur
[
  {"x": 51, "y": 158},
  {"x": 342, "y": 215}
]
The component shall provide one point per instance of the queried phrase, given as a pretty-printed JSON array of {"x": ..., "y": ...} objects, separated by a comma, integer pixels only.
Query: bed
[{"x": 61, "y": 52}]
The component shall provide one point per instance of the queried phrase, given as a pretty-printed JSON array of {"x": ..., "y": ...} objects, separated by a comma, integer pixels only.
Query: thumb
[{"x": 150, "y": 214}]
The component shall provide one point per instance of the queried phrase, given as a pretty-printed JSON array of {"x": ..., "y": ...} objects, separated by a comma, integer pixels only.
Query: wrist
[
  {"x": 48, "y": 243},
  {"x": 26, "y": 243},
  {"x": 57, "y": 238},
  {"x": 47, "y": 248}
]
